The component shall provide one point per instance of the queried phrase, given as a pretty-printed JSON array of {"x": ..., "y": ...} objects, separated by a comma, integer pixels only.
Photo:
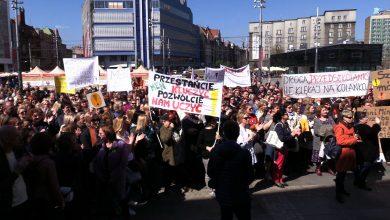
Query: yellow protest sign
[
  {"x": 61, "y": 86},
  {"x": 376, "y": 82},
  {"x": 96, "y": 100}
]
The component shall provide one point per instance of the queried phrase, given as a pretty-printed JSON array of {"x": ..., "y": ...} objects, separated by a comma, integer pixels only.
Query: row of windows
[
  {"x": 176, "y": 11},
  {"x": 113, "y": 17},
  {"x": 114, "y": 45},
  {"x": 114, "y": 4},
  {"x": 304, "y": 29},
  {"x": 340, "y": 34},
  {"x": 113, "y": 31},
  {"x": 339, "y": 18}
]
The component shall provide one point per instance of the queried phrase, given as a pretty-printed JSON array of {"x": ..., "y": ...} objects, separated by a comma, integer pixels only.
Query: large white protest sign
[
  {"x": 81, "y": 72},
  {"x": 185, "y": 95},
  {"x": 326, "y": 85},
  {"x": 237, "y": 77},
  {"x": 214, "y": 75},
  {"x": 119, "y": 80}
]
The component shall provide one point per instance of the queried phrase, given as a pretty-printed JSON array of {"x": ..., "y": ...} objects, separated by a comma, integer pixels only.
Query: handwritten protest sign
[
  {"x": 185, "y": 95},
  {"x": 383, "y": 113},
  {"x": 381, "y": 84},
  {"x": 61, "y": 85},
  {"x": 96, "y": 100},
  {"x": 237, "y": 77},
  {"x": 119, "y": 80},
  {"x": 326, "y": 85},
  {"x": 81, "y": 72},
  {"x": 214, "y": 75}
]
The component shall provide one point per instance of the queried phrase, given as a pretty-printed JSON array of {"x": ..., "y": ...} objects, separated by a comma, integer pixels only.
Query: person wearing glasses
[{"x": 346, "y": 138}]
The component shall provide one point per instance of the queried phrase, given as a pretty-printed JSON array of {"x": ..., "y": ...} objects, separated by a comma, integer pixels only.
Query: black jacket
[
  {"x": 284, "y": 134},
  {"x": 368, "y": 149},
  {"x": 230, "y": 171}
]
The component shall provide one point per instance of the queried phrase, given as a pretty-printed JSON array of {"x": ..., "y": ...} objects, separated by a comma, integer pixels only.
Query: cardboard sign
[
  {"x": 61, "y": 85},
  {"x": 237, "y": 77},
  {"x": 186, "y": 95},
  {"x": 326, "y": 85},
  {"x": 381, "y": 112},
  {"x": 381, "y": 84},
  {"x": 96, "y": 100}
]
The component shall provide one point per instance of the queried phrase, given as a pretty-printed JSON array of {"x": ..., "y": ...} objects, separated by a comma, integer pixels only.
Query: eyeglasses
[{"x": 348, "y": 117}]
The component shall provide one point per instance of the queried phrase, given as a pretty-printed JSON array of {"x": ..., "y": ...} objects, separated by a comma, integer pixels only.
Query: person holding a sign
[
  {"x": 347, "y": 139},
  {"x": 367, "y": 151}
]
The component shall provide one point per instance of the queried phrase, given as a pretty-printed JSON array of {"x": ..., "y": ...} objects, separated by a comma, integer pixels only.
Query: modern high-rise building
[
  {"x": 332, "y": 27},
  {"x": 377, "y": 31},
  {"x": 5, "y": 37},
  {"x": 156, "y": 33}
]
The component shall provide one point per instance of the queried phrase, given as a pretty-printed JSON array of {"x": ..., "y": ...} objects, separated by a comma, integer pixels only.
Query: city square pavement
[{"x": 306, "y": 197}]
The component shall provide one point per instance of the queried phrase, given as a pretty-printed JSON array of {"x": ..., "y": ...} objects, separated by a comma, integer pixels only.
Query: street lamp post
[
  {"x": 15, "y": 6},
  {"x": 317, "y": 27},
  {"x": 260, "y": 4}
]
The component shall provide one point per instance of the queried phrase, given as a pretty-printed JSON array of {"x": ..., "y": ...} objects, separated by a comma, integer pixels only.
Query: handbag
[{"x": 274, "y": 140}]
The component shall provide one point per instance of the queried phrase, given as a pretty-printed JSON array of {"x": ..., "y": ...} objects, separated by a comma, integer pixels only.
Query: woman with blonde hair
[{"x": 120, "y": 130}]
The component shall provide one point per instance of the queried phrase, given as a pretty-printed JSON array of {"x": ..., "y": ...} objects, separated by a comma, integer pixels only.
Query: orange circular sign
[{"x": 96, "y": 100}]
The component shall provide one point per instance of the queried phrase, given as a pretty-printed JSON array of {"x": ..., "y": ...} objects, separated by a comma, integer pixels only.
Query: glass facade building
[{"x": 149, "y": 32}]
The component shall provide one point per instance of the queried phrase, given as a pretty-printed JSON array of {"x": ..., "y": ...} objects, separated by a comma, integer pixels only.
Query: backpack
[{"x": 331, "y": 148}]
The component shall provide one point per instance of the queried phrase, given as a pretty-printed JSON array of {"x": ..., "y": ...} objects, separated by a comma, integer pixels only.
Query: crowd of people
[{"x": 62, "y": 159}]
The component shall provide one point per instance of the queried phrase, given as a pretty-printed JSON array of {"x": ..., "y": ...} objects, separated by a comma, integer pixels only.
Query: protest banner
[
  {"x": 96, "y": 100},
  {"x": 185, "y": 95},
  {"x": 381, "y": 112},
  {"x": 119, "y": 80},
  {"x": 326, "y": 85},
  {"x": 381, "y": 84},
  {"x": 81, "y": 72},
  {"x": 237, "y": 77},
  {"x": 61, "y": 85},
  {"x": 214, "y": 74}
]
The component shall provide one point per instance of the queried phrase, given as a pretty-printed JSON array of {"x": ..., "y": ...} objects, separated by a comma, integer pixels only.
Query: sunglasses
[{"x": 348, "y": 117}]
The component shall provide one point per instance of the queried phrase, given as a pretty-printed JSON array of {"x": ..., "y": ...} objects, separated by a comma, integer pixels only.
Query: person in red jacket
[{"x": 346, "y": 139}]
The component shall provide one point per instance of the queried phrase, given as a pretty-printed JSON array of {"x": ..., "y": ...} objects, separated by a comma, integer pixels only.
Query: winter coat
[
  {"x": 166, "y": 136},
  {"x": 368, "y": 149},
  {"x": 230, "y": 172},
  {"x": 345, "y": 138},
  {"x": 318, "y": 137}
]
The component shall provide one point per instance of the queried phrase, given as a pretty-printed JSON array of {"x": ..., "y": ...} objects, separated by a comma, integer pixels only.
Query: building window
[
  {"x": 331, "y": 25},
  {"x": 303, "y": 21},
  {"x": 291, "y": 30},
  {"x": 348, "y": 33},
  {"x": 266, "y": 56},
  {"x": 340, "y": 34},
  {"x": 290, "y": 39},
  {"x": 349, "y": 25},
  {"x": 303, "y": 37},
  {"x": 278, "y": 39},
  {"x": 317, "y": 28},
  {"x": 278, "y": 32},
  {"x": 330, "y": 41},
  {"x": 278, "y": 48},
  {"x": 123, "y": 58},
  {"x": 155, "y": 4},
  {"x": 99, "y": 4},
  {"x": 339, "y": 18},
  {"x": 356, "y": 54},
  {"x": 333, "y": 18},
  {"x": 116, "y": 5},
  {"x": 266, "y": 48},
  {"x": 345, "y": 17},
  {"x": 303, "y": 46},
  {"x": 291, "y": 47},
  {"x": 331, "y": 34},
  {"x": 340, "y": 25},
  {"x": 303, "y": 29},
  {"x": 267, "y": 33},
  {"x": 128, "y": 4}
]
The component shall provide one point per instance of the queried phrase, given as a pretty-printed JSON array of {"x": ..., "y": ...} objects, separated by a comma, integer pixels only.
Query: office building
[
  {"x": 156, "y": 33},
  {"x": 5, "y": 37},
  {"x": 377, "y": 31},
  {"x": 281, "y": 36}
]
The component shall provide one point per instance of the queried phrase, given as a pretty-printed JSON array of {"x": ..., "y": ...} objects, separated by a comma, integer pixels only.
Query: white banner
[
  {"x": 81, "y": 72},
  {"x": 185, "y": 95},
  {"x": 326, "y": 85},
  {"x": 119, "y": 80},
  {"x": 214, "y": 75},
  {"x": 237, "y": 77}
]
